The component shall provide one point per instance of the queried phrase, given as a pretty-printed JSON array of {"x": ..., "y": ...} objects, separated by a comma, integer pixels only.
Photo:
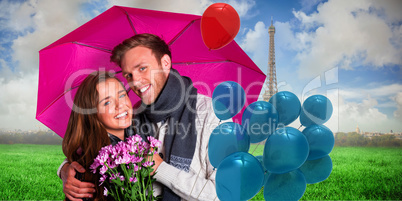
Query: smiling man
[
  {"x": 145, "y": 74},
  {"x": 171, "y": 111}
]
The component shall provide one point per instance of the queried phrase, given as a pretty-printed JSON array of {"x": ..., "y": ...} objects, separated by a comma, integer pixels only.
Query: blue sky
[{"x": 355, "y": 45}]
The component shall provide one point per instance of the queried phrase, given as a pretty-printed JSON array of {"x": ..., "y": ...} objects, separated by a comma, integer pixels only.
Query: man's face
[{"x": 144, "y": 74}]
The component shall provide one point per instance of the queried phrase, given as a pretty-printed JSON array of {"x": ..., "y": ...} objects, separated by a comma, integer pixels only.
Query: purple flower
[
  {"x": 135, "y": 168},
  {"x": 104, "y": 191},
  {"x": 137, "y": 138},
  {"x": 154, "y": 142},
  {"x": 102, "y": 179},
  {"x": 112, "y": 164},
  {"x": 144, "y": 146},
  {"x": 94, "y": 166},
  {"x": 133, "y": 179},
  {"x": 136, "y": 159},
  {"x": 134, "y": 140},
  {"x": 114, "y": 176},
  {"x": 148, "y": 164},
  {"x": 101, "y": 158},
  {"x": 103, "y": 170},
  {"x": 123, "y": 159},
  {"x": 133, "y": 149}
]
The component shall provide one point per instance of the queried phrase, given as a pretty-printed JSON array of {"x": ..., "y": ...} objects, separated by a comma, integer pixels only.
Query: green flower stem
[{"x": 144, "y": 190}]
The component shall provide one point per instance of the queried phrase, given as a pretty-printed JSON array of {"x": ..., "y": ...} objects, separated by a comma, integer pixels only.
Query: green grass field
[
  {"x": 29, "y": 173},
  {"x": 359, "y": 173}
]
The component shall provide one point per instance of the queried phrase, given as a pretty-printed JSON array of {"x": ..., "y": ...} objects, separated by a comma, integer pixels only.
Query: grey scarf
[{"x": 179, "y": 97}]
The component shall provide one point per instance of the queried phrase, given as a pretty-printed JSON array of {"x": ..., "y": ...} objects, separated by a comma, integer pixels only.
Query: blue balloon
[
  {"x": 317, "y": 170},
  {"x": 287, "y": 105},
  {"x": 240, "y": 176},
  {"x": 288, "y": 186},
  {"x": 226, "y": 139},
  {"x": 228, "y": 99},
  {"x": 320, "y": 139},
  {"x": 285, "y": 150},
  {"x": 316, "y": 109},
  {"x": 260, "y": 120}
]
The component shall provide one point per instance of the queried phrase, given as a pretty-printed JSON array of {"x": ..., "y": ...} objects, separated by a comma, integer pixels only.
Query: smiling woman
[
  {"x": 114, "y": 107},
  {"x": 101, "y": 113}
]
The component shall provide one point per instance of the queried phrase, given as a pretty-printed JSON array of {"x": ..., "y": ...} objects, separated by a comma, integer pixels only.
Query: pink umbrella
[{"x": 65, "y": 63}]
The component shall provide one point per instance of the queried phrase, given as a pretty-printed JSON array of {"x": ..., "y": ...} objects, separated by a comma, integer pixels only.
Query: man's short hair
[{"x": 155, "y": 43}]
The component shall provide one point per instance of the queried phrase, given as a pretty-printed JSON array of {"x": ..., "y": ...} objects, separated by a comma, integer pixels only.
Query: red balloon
[{"x": 220, "y": 24}]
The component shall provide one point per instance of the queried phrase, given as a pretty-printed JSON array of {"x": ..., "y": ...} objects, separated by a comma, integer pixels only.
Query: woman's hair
[
  {"x": 155, "y": 43},
  {"x": 85, "y": 134}
]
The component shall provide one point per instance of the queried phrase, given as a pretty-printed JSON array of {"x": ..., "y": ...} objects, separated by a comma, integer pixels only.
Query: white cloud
[
  {"x": 256, "y": 42},
  {"x": 181, "y": 6},
  {"x": 308, "y": 5},
  {"x": 381, "y": 91},
  {"x": 5, "y": 71},
  {"x": 391, "y": 9},
  {"x": 18, "y": 103},
  {"x": 49, "y": 25},
  {"x": 6, "y": 10},
  {"x": 398, "y": 101},
  {"x": 285, "y": 38},
  {"x": 37, "y": 24},
  {"x": 197, "y": 7},
  {"x": 242, "y": 7},
  {"x": 342, "y": 33},
  {"x": 366, "y": 115},
  {"x": 21, "y": 16}
]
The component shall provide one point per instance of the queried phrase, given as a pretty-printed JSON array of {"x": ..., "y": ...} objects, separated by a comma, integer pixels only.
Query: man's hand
[
  {"x": 158, "y": 160},
  {"x": 73, "y": 188}
]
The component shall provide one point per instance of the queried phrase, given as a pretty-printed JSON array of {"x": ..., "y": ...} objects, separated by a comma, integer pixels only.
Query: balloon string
[
  {"x": 220, "y": 120},
  {"x": 205, "y": 185},
  {"x": 299, "y": 127},
  {"x": 195, "y": 182},
  {"x": 255, "y": 148},
  {"x": 199, "y": 175}
]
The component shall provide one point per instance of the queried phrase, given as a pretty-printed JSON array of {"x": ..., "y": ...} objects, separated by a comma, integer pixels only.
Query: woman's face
[{"x": 114, "y": 106}]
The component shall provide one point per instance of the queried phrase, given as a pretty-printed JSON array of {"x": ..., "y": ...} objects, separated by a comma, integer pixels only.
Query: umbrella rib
[
  {"x": 205, "y": 62},
  {"x": 131, "y": 23},
  {"x": 208, "y": 62},
  {"x": 181, "y": 32},
  {"x": 55, "y": 100},
  {"x": 99, "y": 48}
]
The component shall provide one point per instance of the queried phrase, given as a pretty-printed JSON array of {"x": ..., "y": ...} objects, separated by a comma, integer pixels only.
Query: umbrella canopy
[{"x": 64, "y": 64}]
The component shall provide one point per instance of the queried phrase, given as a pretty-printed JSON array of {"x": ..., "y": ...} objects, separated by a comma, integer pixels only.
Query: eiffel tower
[{"x": 271, "y": 85}]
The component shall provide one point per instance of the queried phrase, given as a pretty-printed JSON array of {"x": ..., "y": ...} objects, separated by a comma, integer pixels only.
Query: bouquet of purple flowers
[{"x": 125, "y": 168}]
